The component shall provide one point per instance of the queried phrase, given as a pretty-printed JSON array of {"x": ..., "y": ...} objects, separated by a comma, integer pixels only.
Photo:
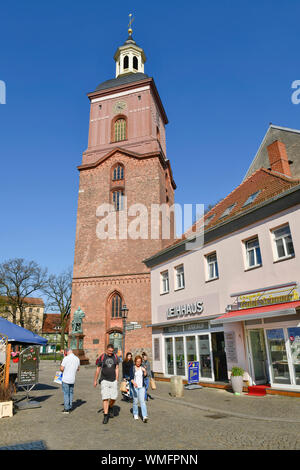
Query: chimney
[{"x": 278, "y": 158}]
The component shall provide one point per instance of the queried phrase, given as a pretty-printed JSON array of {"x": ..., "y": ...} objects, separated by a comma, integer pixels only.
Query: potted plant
[
  {"x": 237, "y": 379},
  {"x": 15, "y": 356},
  {"x": 6, "y": 402}
]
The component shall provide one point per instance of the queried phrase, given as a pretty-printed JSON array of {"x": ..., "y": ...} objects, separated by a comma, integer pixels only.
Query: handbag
[
  {"x": 123, "y": 386},
  {"x": 152, "y": 384}
]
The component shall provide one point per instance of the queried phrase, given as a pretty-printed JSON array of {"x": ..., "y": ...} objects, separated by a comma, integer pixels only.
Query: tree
[
  {"x": 59, "y": 292},
  {"x": 18, "y": 280}
]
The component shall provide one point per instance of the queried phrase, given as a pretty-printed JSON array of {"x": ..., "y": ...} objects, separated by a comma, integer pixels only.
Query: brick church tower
[{"x": 125, "y": 164}]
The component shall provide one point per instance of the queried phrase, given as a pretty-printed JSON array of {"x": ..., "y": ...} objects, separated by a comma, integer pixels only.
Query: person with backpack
[{"x": 108, "y": 365}]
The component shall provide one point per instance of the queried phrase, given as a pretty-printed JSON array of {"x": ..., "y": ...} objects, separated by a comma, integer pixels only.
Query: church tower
[{"x": 124, "y": 174}]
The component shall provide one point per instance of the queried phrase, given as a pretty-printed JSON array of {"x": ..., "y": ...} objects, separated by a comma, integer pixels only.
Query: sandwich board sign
[{"x": 28, "y": 374}]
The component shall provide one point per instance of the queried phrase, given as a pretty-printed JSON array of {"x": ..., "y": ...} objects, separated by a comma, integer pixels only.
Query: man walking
[
  {"x": 69, "y": 367},
  {"x": 108, "y": 365}
]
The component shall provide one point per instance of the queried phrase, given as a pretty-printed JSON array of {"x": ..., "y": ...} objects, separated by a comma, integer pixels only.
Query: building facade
[
  {"x": 33, "y": 313},
  {"x": 124, "y": 170},
  {"x": 235, "y": 300}
]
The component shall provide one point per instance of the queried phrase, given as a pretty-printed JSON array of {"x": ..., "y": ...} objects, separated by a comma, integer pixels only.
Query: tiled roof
[
  {"x": 29, "y": 300},
  {"x": 266, "y": 183},
  {"x": 51, "y": 320}
]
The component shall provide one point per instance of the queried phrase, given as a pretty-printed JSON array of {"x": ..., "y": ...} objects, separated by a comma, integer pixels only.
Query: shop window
[
  {"x": 278, "y": 355},
  {"x": 179, "y": 354},
  {"x": 253, "y": 255},
  {"x": 169, "y": 356},
  {"x": 156, "y": 349},
  {"x": 179, "y": 277},
  {"x": 204, "y": 356},
  {"x": 283, "y": 243},
  {"x": 164, "y": 278},
  {"x": 212, "y": 267}
]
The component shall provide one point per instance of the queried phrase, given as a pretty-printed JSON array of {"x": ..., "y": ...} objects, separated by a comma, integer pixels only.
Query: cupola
[{"x": 130, "y": 58}]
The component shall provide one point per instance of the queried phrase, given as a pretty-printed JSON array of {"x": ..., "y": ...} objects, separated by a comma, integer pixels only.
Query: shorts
[{"x": 109, "y": 390}]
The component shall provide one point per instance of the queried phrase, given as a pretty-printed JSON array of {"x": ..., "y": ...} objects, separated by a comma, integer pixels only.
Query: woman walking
[
  {"x": 137, "y": 374},
  {"x": 126, "y": 367}
]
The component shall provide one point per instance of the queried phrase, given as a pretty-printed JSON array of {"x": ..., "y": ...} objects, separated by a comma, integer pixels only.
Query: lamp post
[
  {"x": 124, "y": 316},
  {"x": 56, "y": 328}
]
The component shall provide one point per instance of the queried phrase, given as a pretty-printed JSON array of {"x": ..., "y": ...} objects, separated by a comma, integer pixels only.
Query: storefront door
[
  {"x": 219, "y": 357},
  {"x": 258, "y": 356}
]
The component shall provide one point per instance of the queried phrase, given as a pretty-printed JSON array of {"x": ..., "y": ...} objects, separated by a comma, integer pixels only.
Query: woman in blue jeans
[{"x": 137, "y": 376}]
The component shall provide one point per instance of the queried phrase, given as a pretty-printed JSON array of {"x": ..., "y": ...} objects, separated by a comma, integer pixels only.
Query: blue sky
[{"x": 223, "y": 70}]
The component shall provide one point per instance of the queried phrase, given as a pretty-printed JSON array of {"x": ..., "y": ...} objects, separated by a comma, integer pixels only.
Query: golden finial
[{"x": 131, "y": 20}]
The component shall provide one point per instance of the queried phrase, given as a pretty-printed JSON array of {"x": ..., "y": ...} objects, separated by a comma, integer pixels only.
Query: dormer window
[
  {"x": 135, "y": 63},
  {"x": 251, "y": 198},
  {"x": 227, "y": 211}
]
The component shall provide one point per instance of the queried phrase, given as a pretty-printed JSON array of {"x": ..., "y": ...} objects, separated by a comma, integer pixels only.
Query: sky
[{"x": 223, "y": 70}]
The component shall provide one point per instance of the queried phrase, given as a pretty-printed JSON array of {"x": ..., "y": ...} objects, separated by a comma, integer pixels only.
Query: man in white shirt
[{"x": 69, "y": 367}]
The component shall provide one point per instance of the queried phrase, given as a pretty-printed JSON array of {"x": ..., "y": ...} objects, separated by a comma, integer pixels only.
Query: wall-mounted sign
[
  {"x": 268, "y": 297},
  {"x": 230, "y": 346},
  {"x": 185, "y": 309}
]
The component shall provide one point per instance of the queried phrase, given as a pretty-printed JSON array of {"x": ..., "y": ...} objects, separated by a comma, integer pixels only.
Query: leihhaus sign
[{"x": 185, "y": 310}]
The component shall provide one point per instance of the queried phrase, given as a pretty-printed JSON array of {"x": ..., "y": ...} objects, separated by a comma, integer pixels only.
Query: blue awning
[{"x": 17, "y": 334}]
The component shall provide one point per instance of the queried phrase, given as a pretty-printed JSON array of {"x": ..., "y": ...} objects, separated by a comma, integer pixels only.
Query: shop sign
[
  {"x": 268, "y": 297},
  {"x": 185, "y": 310},
  {"x": 28, "y": 367}
]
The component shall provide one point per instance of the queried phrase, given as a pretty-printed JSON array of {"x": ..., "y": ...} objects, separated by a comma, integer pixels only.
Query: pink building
[{"x": 235, "y": 300}]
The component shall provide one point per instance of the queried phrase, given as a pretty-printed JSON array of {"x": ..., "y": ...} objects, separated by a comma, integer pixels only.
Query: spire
[{"x": 130, "y": 58}]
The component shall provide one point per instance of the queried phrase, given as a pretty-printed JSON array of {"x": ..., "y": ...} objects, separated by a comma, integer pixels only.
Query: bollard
[{"x": 176, "y": 386}]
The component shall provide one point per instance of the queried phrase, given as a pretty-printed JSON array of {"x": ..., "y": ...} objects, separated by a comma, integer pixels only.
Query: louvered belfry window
[
  {"x": 116, "y": 306},
  {"x": 120, "y": 129}
]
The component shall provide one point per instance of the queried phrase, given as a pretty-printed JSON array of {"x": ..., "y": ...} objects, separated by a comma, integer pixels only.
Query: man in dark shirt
[{"x": 108, "y": 365}]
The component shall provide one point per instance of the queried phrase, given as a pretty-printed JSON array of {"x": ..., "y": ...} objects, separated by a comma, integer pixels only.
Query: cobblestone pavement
[{"x": 202, "y": 419}]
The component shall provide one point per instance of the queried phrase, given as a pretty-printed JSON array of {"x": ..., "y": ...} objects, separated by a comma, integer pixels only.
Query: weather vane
[{"x": 131, "y": 20}]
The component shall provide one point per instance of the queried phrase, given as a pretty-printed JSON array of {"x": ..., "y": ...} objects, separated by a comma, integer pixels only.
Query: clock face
[{"x": 119, "y": 106}]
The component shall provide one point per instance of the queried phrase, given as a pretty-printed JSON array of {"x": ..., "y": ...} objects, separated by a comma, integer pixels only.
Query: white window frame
[
  {"x": 283, "y": 238},
  {"x": 208, "y": 264},
  {"x": 162, "y": 282},
  {"x": 179, "y": 277},
  {"x": 256, "y": 264}
]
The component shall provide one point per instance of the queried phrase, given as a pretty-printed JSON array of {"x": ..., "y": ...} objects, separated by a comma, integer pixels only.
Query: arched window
[
  {"x": 118, "y": 172},
  {"x": 116, "y": 306},
  {"x": 135, "y": 63},
  {"x": 126, "y": 62},
  {"x": 120, "y": 130},
  {"x": 118, "y": 199}
]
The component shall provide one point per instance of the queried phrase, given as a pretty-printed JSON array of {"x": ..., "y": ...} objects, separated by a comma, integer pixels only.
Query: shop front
[{"x": 270, "y": 320}]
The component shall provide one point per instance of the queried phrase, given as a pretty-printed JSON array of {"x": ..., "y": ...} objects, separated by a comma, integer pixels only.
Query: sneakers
[
  {"x": 65, "y": 412},
  {"x": 136, "y": 417},
  {"x": 105, "y": 419},
  {"x": 145, "y": 419}
]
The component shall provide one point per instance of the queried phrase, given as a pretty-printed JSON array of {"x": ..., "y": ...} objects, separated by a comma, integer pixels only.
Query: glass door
[
  {"x": 179, "y": 355},
  {"x": 294, "y": 343},
  {"x": 205, "y": 356},
  {"x": 169, "y": 356},
  {"x": 258, "y": 356},
  {"x": 279, "y": 363}
]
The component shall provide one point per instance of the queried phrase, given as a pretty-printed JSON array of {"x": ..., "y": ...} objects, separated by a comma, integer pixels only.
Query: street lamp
[
  {"x": 56, "y": 328},
  {"x": 124, "y": 311}
]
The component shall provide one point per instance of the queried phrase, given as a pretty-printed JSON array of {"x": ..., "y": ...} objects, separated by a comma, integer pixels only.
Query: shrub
[{"x": 237, "y": 371}]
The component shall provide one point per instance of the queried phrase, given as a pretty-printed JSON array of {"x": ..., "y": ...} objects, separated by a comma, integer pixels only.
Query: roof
[
  {"x": 291, "y": 139},
  {"x": 269, "y": 186},
  {"x": 51, "y": 320},
  {"x": 29, "y": 300},
  {"x": 122, "y": 80}
]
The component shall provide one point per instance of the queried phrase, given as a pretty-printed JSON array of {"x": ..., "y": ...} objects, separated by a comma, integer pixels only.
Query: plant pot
[
  {"x": 6, "y": 409},
  {"x": 15, "y": 359},
  {"x": 237, "y": 383}
]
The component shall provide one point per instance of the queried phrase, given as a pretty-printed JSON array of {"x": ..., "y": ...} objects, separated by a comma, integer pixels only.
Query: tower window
[
  {"x": 118, "y": 199},
  {"x": 120, "y": 130},
  {"x": 135, "y": 63},
  {"x": 126, "y": 62},
  {"x": 116, "y": 306},
  {"x": 118, "y": 173}
]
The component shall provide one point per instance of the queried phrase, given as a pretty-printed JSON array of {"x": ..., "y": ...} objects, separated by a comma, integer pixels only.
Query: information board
[
  {"x": 193, "y": 372},
  {"x": 230, "y": 346},
  {"x": 28, "y": 367}
]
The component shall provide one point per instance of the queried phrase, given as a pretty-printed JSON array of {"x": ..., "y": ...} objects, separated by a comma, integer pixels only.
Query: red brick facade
[{"x": 104, "y": 267}]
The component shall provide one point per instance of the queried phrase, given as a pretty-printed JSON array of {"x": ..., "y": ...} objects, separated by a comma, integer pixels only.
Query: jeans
[
  {"x": 146, "y": 382},
  {"x": 68, "y": 390},
  {"x": 139, "y": 396}
]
